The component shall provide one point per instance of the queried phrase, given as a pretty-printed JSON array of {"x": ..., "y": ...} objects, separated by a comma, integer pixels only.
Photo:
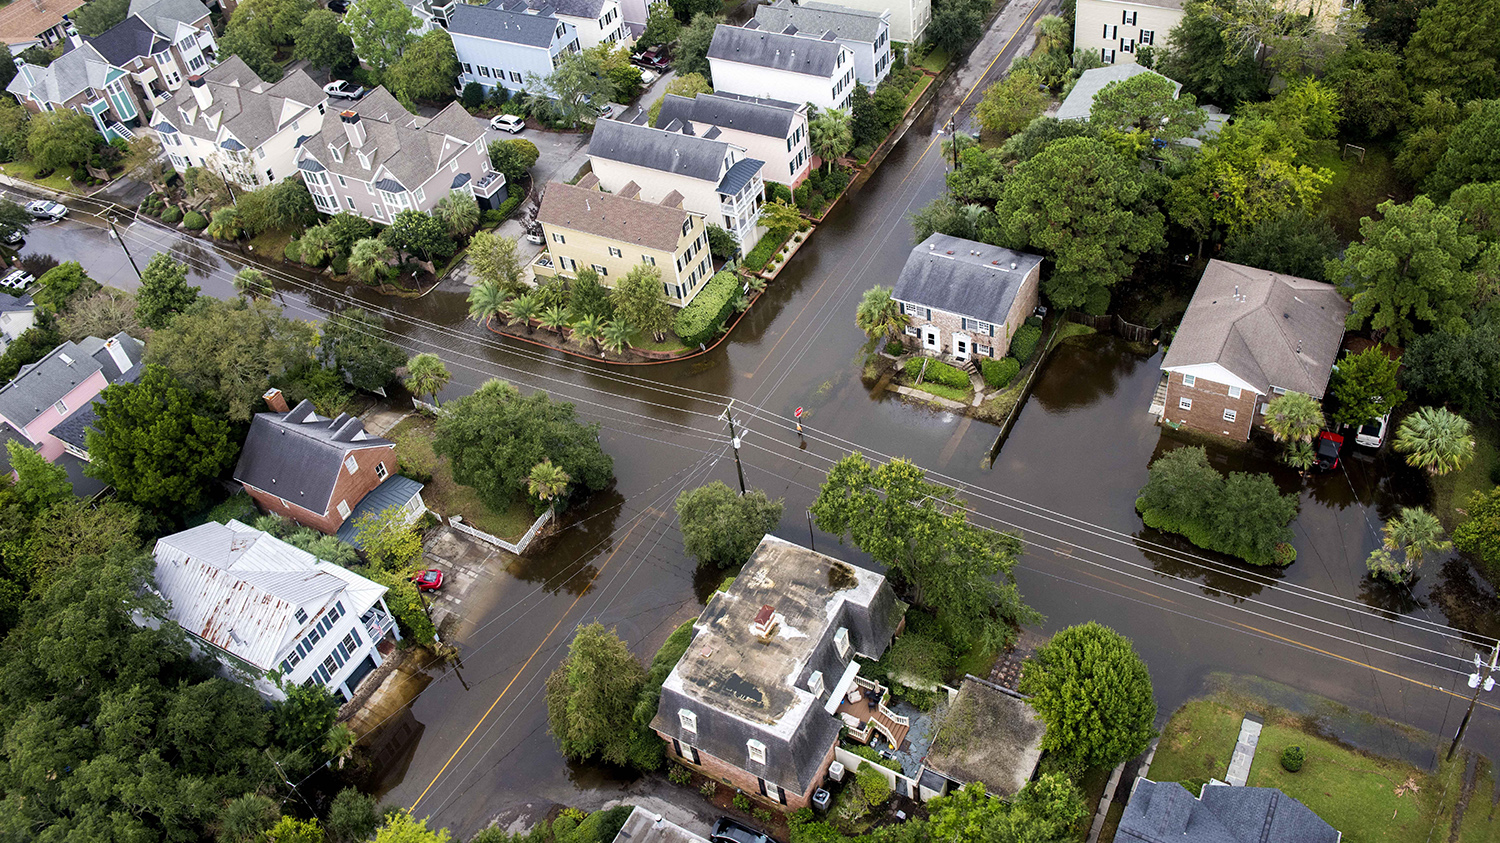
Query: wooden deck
[{"x": 864, "y": 712}]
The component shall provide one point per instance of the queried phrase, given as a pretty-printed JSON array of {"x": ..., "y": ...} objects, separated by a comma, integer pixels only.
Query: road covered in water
[{"x": 469, "y": 747}]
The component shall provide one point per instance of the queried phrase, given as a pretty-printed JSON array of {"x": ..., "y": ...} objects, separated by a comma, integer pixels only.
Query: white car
[
  {"x": 17, "y": 279},
  {"x": 648, "y": 77},
  {"x": 43, "y": 210},
  {"x": 339, "y": 89},
  {"x": 1371, "y": 434},
  {"x": 507, "y": 123}
]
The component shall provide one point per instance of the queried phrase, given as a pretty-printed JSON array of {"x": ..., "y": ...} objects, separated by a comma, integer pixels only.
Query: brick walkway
[{"x": 1007, "y": 669}]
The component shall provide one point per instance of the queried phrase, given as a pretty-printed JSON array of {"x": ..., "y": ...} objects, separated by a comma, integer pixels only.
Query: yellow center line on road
[{"x": 533, "y": 655}]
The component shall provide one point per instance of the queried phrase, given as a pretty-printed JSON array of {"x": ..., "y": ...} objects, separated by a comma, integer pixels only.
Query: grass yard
[
  {"x": 1357, "y": 188},
  {"x": 443, "y": 494},
  {"x": 646, "y": 342},
  {"x": 27, "y": 170},
  {"x": 1451, "y": 491},
  {"x": 917, "y": 90},
  {"x": 935, "y": 60},
  {"x": 1369, "y": 799},
  {"x": 1072, "y": 329},
  {"x": 271, "y": 243}
]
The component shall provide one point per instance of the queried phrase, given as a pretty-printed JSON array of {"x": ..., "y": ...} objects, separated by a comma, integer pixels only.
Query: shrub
[
  {"x": 741, "y": 802},
  {"x": 940, "y": 372},
  {"x": 895, "y": 347},
  {"x": 293, "y": 253},
  {"x": 514, "y": 195},
  {"x": 869, "y": 754},
  {"x": 1097, "y": 302},
  {"x": 490, "y": 218},
  {"x": 1292, "y": 758},
  {"x": 780, "y": 193},
  {"x": 340, "y": 264},
  {"x": 767, "y": 248},
  {"x": 1034, "y": 322},
  {"x": 1244, "y": 515},
  {"x": 172, "y": 216},
  {"x": 862, "y": 153},
  {"x": 873, "y": 785},
  {"x": 679, "y": 775},
  {"x": 706, "y": 314},
  {"x": 1023, "y": 344},
  {"x": 195, "y": 221},
  {"x": 764, "y": 816},
  {"x": 709, "y": 788},
  {"x": 999, "y": 373},
  {"x": 473, "y": 95}
]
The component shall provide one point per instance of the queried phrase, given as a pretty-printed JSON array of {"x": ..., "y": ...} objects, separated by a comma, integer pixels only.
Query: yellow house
[{"x": 614, "y": 233}]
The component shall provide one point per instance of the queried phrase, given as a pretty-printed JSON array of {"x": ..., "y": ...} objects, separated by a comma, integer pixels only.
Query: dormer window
[
  {"x": 841, "y": 642},
  {"x": 757, "y": 751},
  {"x": 336, "y": 153},
  {"x": 688, "y": 719}
]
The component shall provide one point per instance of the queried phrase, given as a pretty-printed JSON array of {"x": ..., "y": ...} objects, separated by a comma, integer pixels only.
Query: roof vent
[
  {"x": 931, "y": 246},
  {"x": 1012, "y": 264},
  {"x": 765, "y": 622},
  {"x": 950, "y": 251},
  {"x": 1299, "y": 346}
]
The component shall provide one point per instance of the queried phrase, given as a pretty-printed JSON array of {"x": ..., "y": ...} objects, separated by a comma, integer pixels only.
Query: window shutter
[
  {"x": 761, "y": 783},
  {"x": 929, "y": 314},
  {"x": 992, "y": 329}
]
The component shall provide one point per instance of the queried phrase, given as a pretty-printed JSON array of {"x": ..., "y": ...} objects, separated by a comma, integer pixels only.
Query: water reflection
[
  {"x": 561, "y": 563},
  {"x": 1217, "y": 575},
  {"x": 1081, "y": 373}
]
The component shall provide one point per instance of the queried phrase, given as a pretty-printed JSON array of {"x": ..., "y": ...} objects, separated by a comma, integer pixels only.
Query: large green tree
[
  {"x": 918, "y": 529},
  {"x": 1094, "y": 693},
  {"x": 495, "y": 435},
  {"x": 691, "y": 55},
  {"x": 496, "y": 259},
  {"x": 1364, "y": 387},
  {"x": 95, "y": 18},
  {"x": 1011, "y": 103},
  {"x": 381, "y": 31},
  {"x": 164, "y": 292},
  {"x": 576, "y": 87},
  {"x": 957, "y": 23},
  {"x": 1088, "y": 209},
  {"x": 591, "y": 700},
  {"x": 1407, "y": 274},
  {"x": 353, "y": 343},
  {"x": 1202, "y": 59},
  {"x": 1479, "y": 534},
  {"x": 1292, "y": 243},
  {"x": 154, "y": 443},
  {"x": 513, "y": 157},
  {"x": 419, "y": 234},
  {"x": 321, "y": 43},
  {"x": 1456, "y": 50},
  {"x": 640, "y": 302},
  {"x": 1472, "y": 154},
  {"x": 427, "y": 69},
  {"x": 1147, "y": 105},
  {"x": 61, "y": 138},
  {"x": 721, "y": 527},
  {"x": 40, "y": 485},
  {"x": 1462, "y": 369},
  {"x": 1244, "y": 515},
  {"x": 1370, "y": 84},
  {"x": 1045, "y": 811}
]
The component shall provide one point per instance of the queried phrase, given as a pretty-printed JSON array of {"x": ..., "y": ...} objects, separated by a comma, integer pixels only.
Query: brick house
[
  {"x": 1248, "y": 336},
  {"x": 759, "y": 698},
  {"x": 314, "y": 470},
  {"x": 966, "y": 299}
]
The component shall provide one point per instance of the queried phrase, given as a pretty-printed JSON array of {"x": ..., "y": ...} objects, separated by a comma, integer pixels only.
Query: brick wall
[
  {"x": 349, "y": 488},
  {"x": 950, "y": 323},
  {"x": 1210, "y": 400},
  {"x": 737, "y": 777}
]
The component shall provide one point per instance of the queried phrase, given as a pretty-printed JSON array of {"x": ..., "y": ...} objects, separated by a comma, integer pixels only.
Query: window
[
  {"x": 421, "y": 197},
  {"x": 688, "y": 719},
  {"x": 300, "y": 615},
  {"x": 614, "y": 253},
  {"x": 1184, "y": 403},
  {"x": 1229, "y": 415},
  {"x": 350, "y": 200},
  {"x": 260, "y": 152},
  {"x": 351, "y": 464},
  {"x": 467, "y": 69},
  {"x": 815, "y": 683},
  {"x": 60, "y": 407},
  {"x": 380, "y": 470},
  {"x": 1189, "y": 380},
  {"x": 270, "y": 176},
  {"x": 484, "y": 71},
  {"x": 757, "y": 751},
  {"x": 648, "y": 260},
  {"x": 910, "y": 331},
  {"x": 1128, "y": 18},
  {"x": 344, "y": 509},
  {"x": 1148, "y": 36},
  {"x": 841, "y": 642},
  {"x": 1276, "y": 390},
  {"x": 602, "y": 270},
  {"x": 772, "y": 790},
  {"x": 558, "y": 238},
  {"x": 1234, "y": 392},
  {"x": 515, "y": 77}
]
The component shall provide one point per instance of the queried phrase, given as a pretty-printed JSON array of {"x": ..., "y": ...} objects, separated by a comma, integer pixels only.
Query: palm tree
[
  {"x": 252, "y": 283},
  {"x": 831, "y": 135},
  {"x": 589, "y": 328},
  {"x": 459, "y": 211},
  {"x": 368, "y": 258},
  {"x": 547, "y": 481},
  {"x": 521, "y": 309},
  {"x": 1052, "y": 32},
  {"x": 1436, "y": 439},
  {"x": 487, "y": 299},
  {"x": 1409, "y": 537},
  {"x": 426, "y": 375},
  {"x": 955, "y": 145},
  {"x": 1300, "y": 455},
  {"x": 1294, "y": 417},
  {"x": 340, "y": 743},
  {"x": 554, "y": 318},
  {"x": 879, "y": 315},
  {"x": 616, "y": 335},
  {"x": 779, "y": 214}
]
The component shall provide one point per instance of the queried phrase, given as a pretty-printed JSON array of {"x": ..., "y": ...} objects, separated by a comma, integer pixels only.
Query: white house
[
  {"x": 756, "y": 62},
  {"x": 909, "y": 18},
  {"x": 773, "y": 131},
  {"x": 161, "y": 43},
  {"x": 264, "y": 606},
  {"x": 17, "y": 315},
  {"x": 246, "y": 129},
  {"x": 597, "y": 21},
  {"x": 636, "y": 13},
  {"x": 1116, "y": 28},
  {"x": 714, "y": 178},
  {"x": 867, "y": 33},
  {"x": 503, "y": 42}
]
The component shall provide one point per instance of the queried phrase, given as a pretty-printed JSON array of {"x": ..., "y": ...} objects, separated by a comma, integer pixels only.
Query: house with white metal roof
[
  {"x": 867, "y": 33},
  {"x": 273, "y": 611},
  {"x": 793, "y": 66}
]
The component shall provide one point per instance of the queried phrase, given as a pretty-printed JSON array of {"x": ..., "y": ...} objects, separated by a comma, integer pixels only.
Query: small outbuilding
[{"x": 990, "y": 735}]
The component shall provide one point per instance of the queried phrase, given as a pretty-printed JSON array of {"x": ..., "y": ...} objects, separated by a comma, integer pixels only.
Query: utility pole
[
  {"x": 1482, "y": 679},
  {"x": 115, "y": 235},
  {"x": 734, "y": 439},
  {"x": 421, "y": 598},
  {"x": 810, "y": 545}
]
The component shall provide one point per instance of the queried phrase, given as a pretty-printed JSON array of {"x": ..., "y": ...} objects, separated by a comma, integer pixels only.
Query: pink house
[{"x": 47, "y": 397}]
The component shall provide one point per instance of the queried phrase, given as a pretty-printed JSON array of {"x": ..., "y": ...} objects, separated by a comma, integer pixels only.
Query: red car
[
  {"x": 1327, "y": 448},
  {"x": 429, "y": 580},
  {"x": 652, "y": 59}
]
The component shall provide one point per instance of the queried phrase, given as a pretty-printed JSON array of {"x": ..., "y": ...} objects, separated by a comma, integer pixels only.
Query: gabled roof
[
  {"x": 74, "y": 429},
  {"x": 499, "y": 23},
  {"x": 67, "y": 77},
  {"x": 406, "y": 148},
  {"x": 1159, "y": 812},
  {"x": 21, "y": 22},
  {"x": 164, "y": 15},
  {"x": 572, "y": 8},
  {"x": 395, "y": 490},
  {"x": 240, "y": 589},
  {"x": 775, "y": 50},
  {"x": 127, "y": 41},
  {"x": 771, "y": 118},
  {"x": 657, "y": 149},
  {"x": 43, "y": 383},
  {"x": 12, "y": 304},
  {"x": 739, "y": 175},
  {"x": 964, "y": 277},
  {"x": 612, "y": 216},
  {"x": 1080, "y": 101},
  {"x": 249, "y": 108},
  {"x": 815, "y": 18},
  {"x": 297, "y": 455},
  {"x": 1268, "y": 329}
]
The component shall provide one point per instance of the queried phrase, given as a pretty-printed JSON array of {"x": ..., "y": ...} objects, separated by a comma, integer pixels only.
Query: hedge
[
  {"x": 195, "y": 221},
  {"x": 940, "y": 372},
  {"x": 768, "y": 246},
  {"x": 293, "y": 253},
  {"x": 172, "y": 215},
  {"x": 340, "y": 264},
  {"x": 1023, "y": 344},
  {"x": 513, "y": 196},
  {"x": 999, "y": 373},
  {"x": 706, "y": 314},
  {"x": 869, "y": 754}
]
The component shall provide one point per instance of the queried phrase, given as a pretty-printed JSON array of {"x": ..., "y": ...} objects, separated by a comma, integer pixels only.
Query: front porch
[{"x": 863, "y": 709}]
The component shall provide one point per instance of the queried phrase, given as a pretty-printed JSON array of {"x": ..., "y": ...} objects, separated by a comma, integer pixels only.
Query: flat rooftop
[
  {"x": 988, "y": 736},
  {"x": 642, "y": 826}
]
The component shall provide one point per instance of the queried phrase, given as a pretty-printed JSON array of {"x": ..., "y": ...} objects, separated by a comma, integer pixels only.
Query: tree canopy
[
  {"x": 1094, "y": 693},
  {"x": 1364, "y": 387},
  {"x": 164, "y": 291},
  {"x": 720, "y": 527},
  {"x": 591, "y": 701},
  {"x": 381, "y": 31},
  {"x": 353, "y": 344}
]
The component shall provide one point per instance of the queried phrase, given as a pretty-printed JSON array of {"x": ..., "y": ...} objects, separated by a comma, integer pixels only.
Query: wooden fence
[
  {"x": 1127, "y": 330},
  {"x": 517, "y": 547}
]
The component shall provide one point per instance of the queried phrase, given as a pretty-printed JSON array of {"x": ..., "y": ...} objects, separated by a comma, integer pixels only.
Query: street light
[{"x": 1482, "y": 679}]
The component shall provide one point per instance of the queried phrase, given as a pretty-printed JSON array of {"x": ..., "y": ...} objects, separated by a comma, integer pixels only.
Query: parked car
[
  {"x": 1327, "y": 449},
  {"x": 649, "y": 77},
  {"x": 507, "y": 123},
  {"x": 338, "y": 6},
  {"x": 339, "y": 89},
  {"x": 15, "y": 237},
  {"x": 654, "y": 58},
  {"x": 44, "y": 210},
  {"x": 534, "y": 234},
  {"x": 429, "y": 580},
  {"x": 727, "y": 830},
  {"x": 1371, "y": 434},
  {"x": 17, "y": 279}
]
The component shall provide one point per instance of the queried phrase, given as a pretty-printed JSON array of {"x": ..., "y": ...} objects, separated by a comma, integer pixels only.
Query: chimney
[
  {"x": 74, "y": 38},
  {"x": 353, "y": 129},
  {"x": 275, "y": 400},
  {"x": 765, "y": 622},
  {"x": 200, "y": 91},
  {"x": 117, "y": 354}
]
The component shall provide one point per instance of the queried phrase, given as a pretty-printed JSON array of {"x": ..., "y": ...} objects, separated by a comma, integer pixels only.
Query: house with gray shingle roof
[
  {"x": 246, "y": 129},
  {"x": 80, "y": 80},
  {"x": 965, "y": 299},
  {"x": 505, "y": 41},
  {"x": 788, "y": 65},
  {"x": 161, "y": 43},
  {"x": 1249, "y": 335},
  {"x": 712, "y": 176},
  {"x": 378, "y": 159},
  {"x": 867, "y": 33},
  {"x": 1166, "y": 812},
  {"x": 772, "y": 131},
  {"x": 17, "y": 315}
]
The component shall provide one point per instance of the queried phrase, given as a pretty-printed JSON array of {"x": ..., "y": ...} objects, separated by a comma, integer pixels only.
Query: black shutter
[
  {"x": 677, "y": 749},
  {"x": 781, "y": 795},
  {"x": 762, "y": 784}
]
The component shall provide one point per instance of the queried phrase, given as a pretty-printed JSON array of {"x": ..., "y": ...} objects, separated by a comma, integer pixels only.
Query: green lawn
[
  {"x": 271, "y": 243},
  {"x": 1451, "y": 491},
  {"x": 27, "y": 170},
  {"x": 1369, "y": 799},
  {"x": 935, "y": 61},
  {"x": 1357, "y": 188},
  {"x": 646, "y": 342},
  {"x": 952, "y": 393},
  {"x": 445, "y": 495},
  {"x": 917, "y": 89}
]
